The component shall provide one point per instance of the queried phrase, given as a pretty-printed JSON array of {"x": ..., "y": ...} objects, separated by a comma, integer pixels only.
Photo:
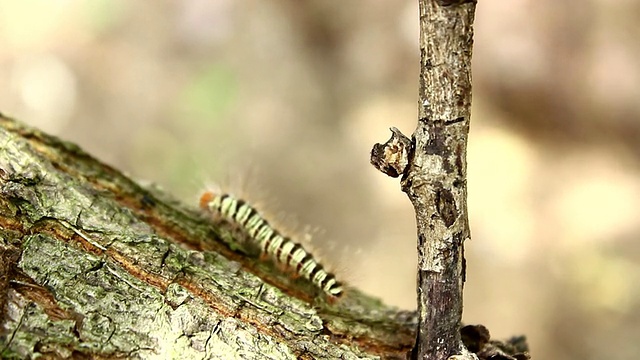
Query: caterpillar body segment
[{"x": 278, "y": 247}]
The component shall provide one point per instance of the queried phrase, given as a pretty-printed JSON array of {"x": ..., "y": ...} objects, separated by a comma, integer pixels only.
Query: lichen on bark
[{"x": 94, "y": 264}]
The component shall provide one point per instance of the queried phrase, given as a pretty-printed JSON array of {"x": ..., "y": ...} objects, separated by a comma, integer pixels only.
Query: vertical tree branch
[
  {"x": 434, "y": 177},
  {"x": 435, "y": 180}
]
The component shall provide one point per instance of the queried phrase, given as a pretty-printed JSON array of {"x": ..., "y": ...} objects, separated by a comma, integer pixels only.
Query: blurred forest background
[{"x": 282, "y": 101}]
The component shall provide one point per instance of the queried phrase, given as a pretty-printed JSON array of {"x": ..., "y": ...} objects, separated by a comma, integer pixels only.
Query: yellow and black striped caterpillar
[{"x": 280, "y": 248}]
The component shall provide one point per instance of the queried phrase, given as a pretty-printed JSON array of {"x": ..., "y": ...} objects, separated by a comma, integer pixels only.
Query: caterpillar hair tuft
[{"x": 272, "y": 243}]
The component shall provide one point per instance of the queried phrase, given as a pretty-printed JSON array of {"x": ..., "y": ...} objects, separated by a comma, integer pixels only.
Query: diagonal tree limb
[{"x": 94, "y": 265}]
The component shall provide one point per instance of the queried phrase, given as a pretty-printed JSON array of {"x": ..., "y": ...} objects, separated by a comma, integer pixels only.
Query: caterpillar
[{"x": 280, "y": 248}]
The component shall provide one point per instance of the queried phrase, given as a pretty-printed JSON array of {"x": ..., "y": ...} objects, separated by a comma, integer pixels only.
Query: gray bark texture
[
  {"x": 436, "y": 179},
  {"x": 94, "y": 265},
  {"x": 433, "y": 167}
]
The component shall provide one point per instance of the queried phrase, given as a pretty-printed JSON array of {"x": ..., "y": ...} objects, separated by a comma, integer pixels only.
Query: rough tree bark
[
  {"x": 94, "y": 265},
  {"x": 433, "y": 169},
  {"x": 436, "y": 179}
]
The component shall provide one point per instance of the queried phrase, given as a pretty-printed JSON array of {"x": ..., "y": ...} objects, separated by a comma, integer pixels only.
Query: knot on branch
[{"x": 392, "y": 157}]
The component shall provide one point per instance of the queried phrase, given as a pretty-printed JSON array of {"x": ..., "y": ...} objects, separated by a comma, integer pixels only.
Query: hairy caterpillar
[{"x": 280, "y": 248}]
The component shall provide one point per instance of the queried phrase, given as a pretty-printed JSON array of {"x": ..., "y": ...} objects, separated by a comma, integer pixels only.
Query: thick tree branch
[{"x": 94, "y": 265}]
